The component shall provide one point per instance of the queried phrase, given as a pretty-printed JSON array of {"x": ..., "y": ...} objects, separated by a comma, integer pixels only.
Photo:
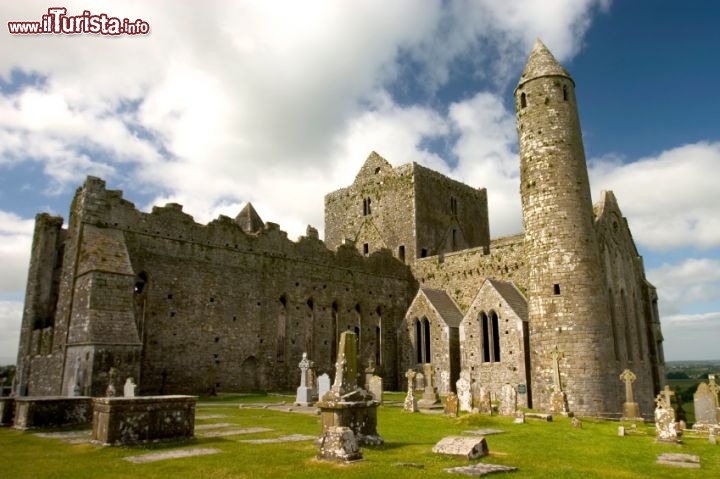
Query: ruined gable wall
[
  {"x": 390, "y": 222},
  {"x": 633, "y": 336},
  {"x": 462, "y": 273}
]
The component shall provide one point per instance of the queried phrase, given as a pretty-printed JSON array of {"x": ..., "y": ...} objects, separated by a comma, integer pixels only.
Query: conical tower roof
[
  {"x": 542, "y": 63},
  {"x": 249, "y": 220}
]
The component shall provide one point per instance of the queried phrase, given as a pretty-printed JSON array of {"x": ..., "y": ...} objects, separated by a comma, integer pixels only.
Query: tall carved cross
[
  {"x": 304, "y": 365},
  {"x": 628, "y": 377},
  {"x": 556, "y": 357},
  {"x": 668, "y": 393},
  {"x": 410, "y": 375}
]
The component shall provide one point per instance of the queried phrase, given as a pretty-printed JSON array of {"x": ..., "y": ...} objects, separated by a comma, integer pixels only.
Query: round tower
[{"x": 570, "y": 337}]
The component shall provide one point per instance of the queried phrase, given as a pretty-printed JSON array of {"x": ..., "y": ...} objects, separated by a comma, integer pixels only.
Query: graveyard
[{"x": 229, "y": 423}]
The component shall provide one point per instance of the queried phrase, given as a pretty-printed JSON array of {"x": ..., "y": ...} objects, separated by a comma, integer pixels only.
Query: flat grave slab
[
  {"x": 234, "y": 432},
  {"x": 161, "y": 456},
  {"x": 274, "y": 440},
  {"x": 679, "y": 460},
  {"x": 480, "y": 469}
]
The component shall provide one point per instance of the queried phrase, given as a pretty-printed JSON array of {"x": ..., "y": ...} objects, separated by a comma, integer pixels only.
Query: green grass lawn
[{"x": 537, "y": 448}]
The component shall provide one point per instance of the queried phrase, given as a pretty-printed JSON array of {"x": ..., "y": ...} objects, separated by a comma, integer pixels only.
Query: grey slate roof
[
  {"x": 444, "y": 305},
  {"x": 512, "y": 296}
]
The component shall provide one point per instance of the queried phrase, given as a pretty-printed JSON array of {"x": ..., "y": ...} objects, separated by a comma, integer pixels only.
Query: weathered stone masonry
[{"x": 407, "y": 264}]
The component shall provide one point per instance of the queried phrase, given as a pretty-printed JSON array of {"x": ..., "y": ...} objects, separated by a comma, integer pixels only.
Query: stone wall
[{"x": 211, "y": 306}]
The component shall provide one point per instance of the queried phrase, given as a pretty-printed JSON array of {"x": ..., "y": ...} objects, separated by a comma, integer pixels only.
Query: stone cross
[
  {"x": 410, "y": 375},
  {"x": 628, "y": 377},
  {"x": 556, "y": 357},
  {"x": 304, "y": 365},
  {"x": 668, "y": 393}
]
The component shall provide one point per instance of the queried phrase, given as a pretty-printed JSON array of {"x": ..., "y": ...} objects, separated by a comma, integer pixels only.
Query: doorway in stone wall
[{"x": 249, "y": 375}]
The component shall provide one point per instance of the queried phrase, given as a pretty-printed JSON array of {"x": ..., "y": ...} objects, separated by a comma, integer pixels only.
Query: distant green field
[{"x": 538, "y": 449}]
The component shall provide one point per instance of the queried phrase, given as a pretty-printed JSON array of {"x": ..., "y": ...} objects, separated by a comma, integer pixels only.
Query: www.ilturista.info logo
[{"x": 59, "y": 23}]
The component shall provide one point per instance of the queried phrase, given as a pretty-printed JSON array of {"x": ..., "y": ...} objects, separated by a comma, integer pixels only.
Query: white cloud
[
  {"x": 15, "y": 242},
  {"x": 671, "y": 199},
  {"x": 10, "y": 320},
  {"x": 694, "y": 281}
]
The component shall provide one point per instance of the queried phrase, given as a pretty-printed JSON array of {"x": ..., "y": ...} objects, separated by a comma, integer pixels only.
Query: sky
[{"x": 280, "y": 102}]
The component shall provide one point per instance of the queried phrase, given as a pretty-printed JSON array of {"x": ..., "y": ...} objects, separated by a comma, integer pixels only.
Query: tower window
[
  {"x": 523, "y": 101},
  {"x": 423, "y": 253},
  {"x": 366, "y": 249},
  {"x": 401, "y": 253},
  {"x": 556, "y": 288},
  {"x": 565, "y": 95}
]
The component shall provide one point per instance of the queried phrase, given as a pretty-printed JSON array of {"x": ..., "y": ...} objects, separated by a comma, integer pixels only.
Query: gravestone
[
  {"x": 706, "y": 414},
  {"x": 444, "y": 386},
  {"x": 430, "y": 397},
  {"x": 410, "y": 401},
  {"x": 508, "y": 400},
  {"x": 369, "y": 373},
  {"x": 451, "y": 405},
  {"x": 419, "y": 383},
  {"x": 110, "y": 391},
  {"x": 484, "y": 404},
  {"x": 376, "y": 388},
  {"x": 129, "y": 388},
  {"x": 665, "y": 426},
  {"x": 519, "y": 417},
  {"x": 467, "y": 447},
  {"x": 323, "y": 385},
  {"x": 304, "y": 395},
  {"x": 631, "y": 410},
  {"x": 464, "y": 391},
  {"x": 346, "y": 405}
]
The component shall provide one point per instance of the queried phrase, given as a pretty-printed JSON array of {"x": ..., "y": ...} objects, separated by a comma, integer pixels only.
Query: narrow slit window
[
  {"x": 523, "y": 100},
  {"x": 556, "y": 288},
  {"x": 366, "y": 249},
  {"x": 401, "y": 253},
  {"x": 565, "y": 93}
]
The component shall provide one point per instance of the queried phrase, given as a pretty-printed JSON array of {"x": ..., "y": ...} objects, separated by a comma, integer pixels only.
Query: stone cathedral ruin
[{"x": 407, "y": 264}]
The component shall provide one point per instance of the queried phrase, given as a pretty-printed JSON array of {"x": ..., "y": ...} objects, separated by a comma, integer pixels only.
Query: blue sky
[{"x": 279, "y": 103}]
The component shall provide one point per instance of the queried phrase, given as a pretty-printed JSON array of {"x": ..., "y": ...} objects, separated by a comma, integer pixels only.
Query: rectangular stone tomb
[
  {"x": 52, "y": 411},
  {"x": 118, "y": 420},
  {"x": 468, "y": 447},
  {"x": 362, "y": 419}
]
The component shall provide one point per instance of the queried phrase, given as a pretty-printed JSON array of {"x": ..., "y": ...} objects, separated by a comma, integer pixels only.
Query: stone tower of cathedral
[{"x": 567, "y": 305}]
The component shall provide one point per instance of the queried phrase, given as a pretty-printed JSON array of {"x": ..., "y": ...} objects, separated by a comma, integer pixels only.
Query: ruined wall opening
[
  {"x": 281, "y": 331},
  {"x": 334, "y": 327},
  {"x": 613, "y": 326},
  {"x": 626, "y": 321},
  {"x": 638, "y": 328},
  {"x": 401, "y": 253},
  {"x": 366, "y": 249},
  {"x": 495, "y": 337},
  {"x": 378, "y": 337},
  {"x": 310, "y": 327},
  {"x": 366, "y": 206},
  {"x": 556, "y": 289},
  {"x": 485, "y": 326}
]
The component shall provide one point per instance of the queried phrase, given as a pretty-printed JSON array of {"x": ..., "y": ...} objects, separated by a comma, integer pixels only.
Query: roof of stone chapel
[
  {"x": 512, "y": 296},
  {"x": 444, "y": 305}
]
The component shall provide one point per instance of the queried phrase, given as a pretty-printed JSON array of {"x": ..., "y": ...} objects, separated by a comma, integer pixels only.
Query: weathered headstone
[
  {"x": 304, "y": 395},
  {"x": 419, "y": 383},
  {"x": 576, "y": 423},
  {"x": 410, "y": 401},
  {"x": 484, "y": 404},
  {"x": 347, "y": 406},
  {"x": 376, "y": 388},
  {"x": 519, "y": 417},
  {"x": 508, "y": 400},
  {"x": 430, "y": 398},
  {"x": 463, "y": 391},
  {"x": 621, "y": 431},
  {"x": 323, "y": 385},
  {"x": 444, "y": 386},
  {"x": 468, "y": 447},
  {"x": 631, "y": 410},
  {"x": 110, "y": 391},
  {"x": 451, "y": 405},
  {"x": 665, "y": 426},
  {"x": 129, "y": 388},
  {"x": 706, "y": 414}
]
